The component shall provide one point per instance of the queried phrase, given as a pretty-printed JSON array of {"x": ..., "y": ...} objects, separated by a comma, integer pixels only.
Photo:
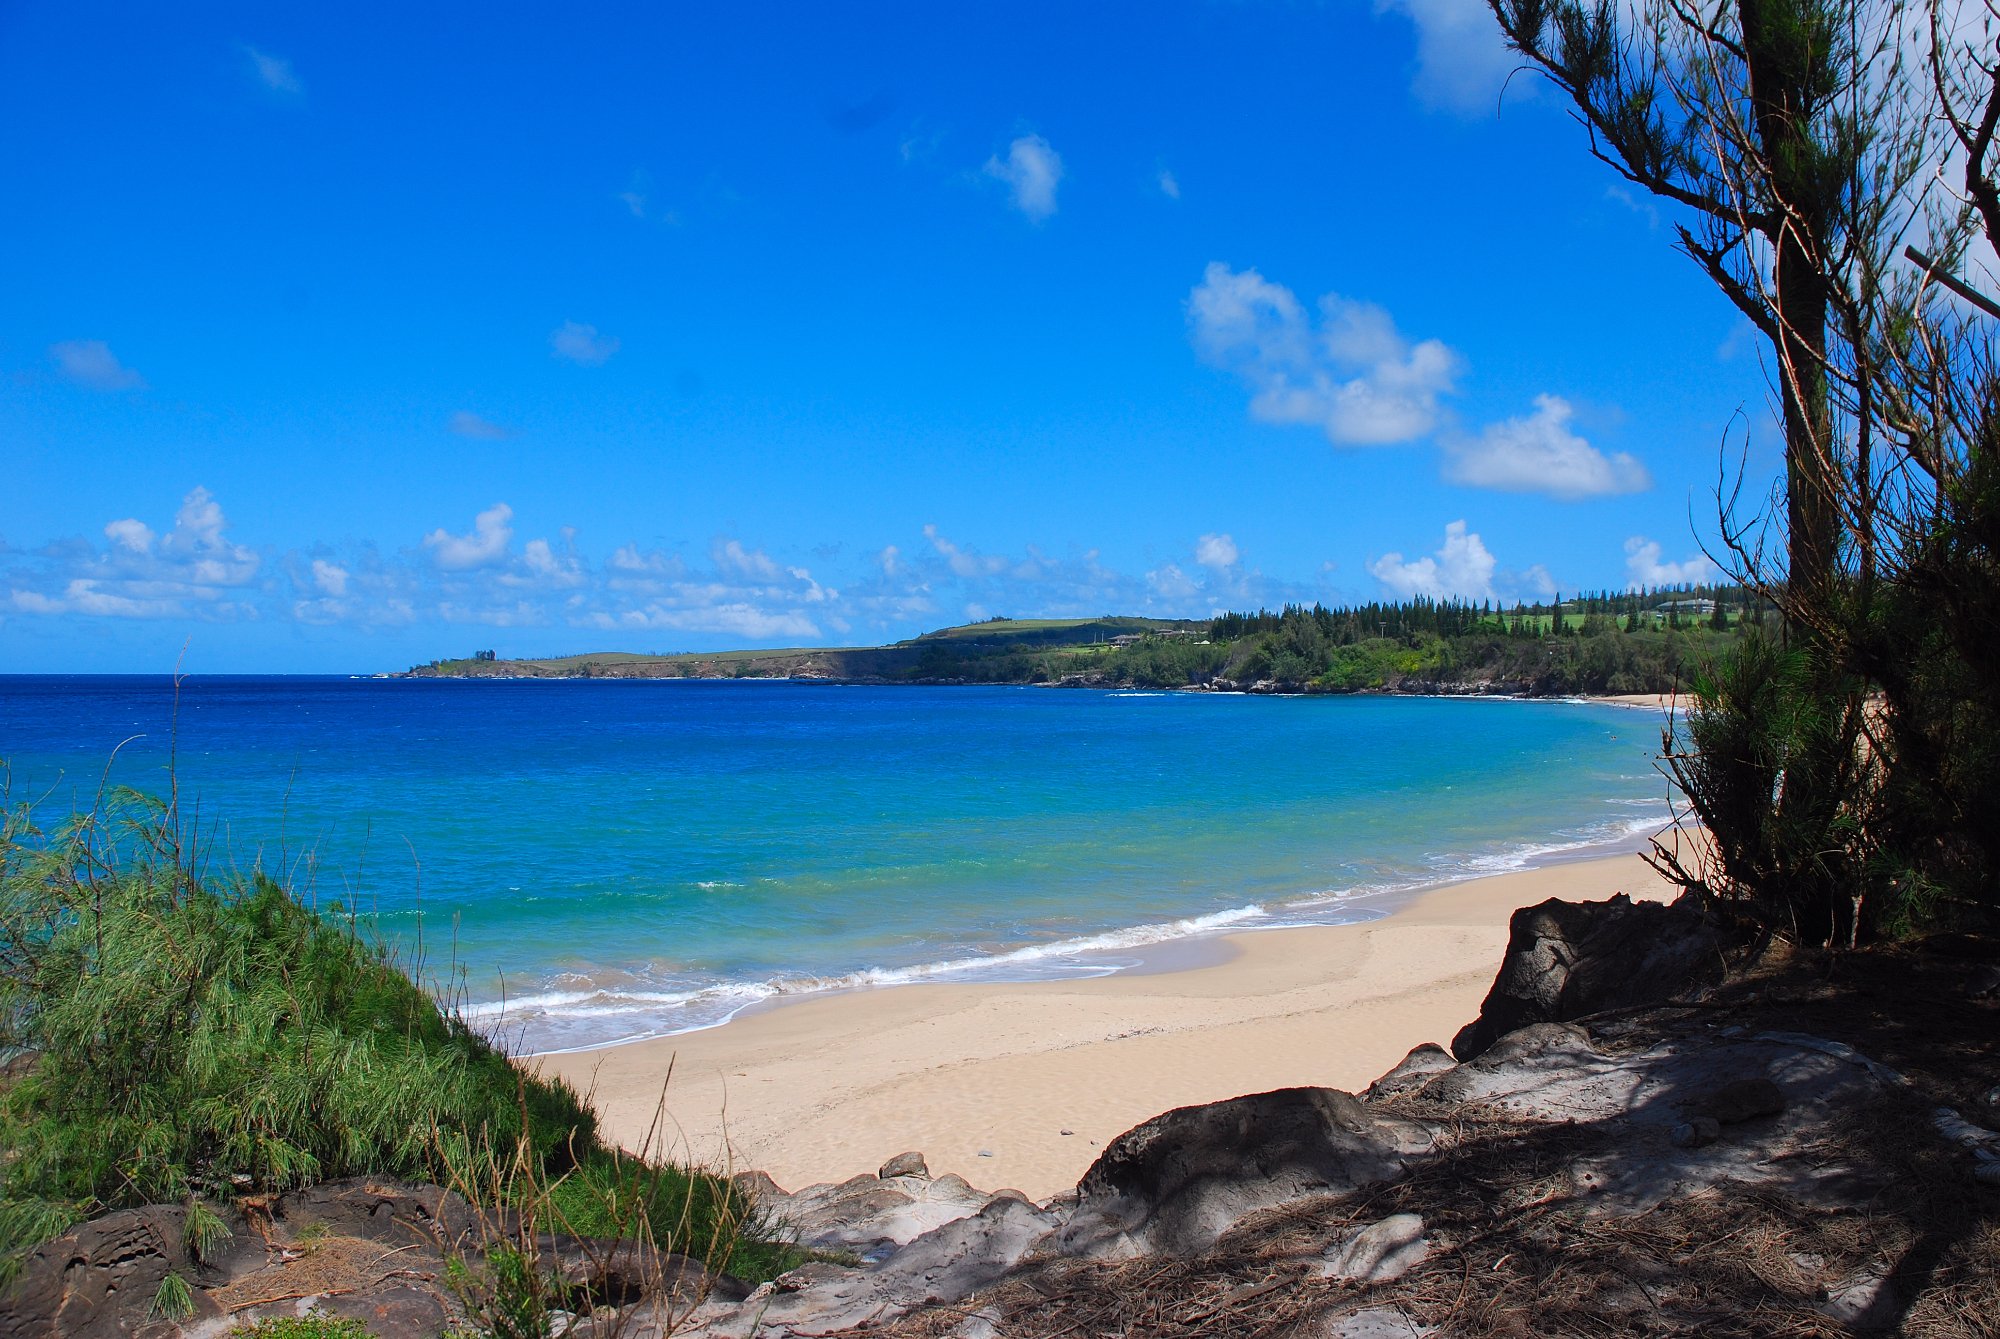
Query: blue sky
[{"x": 340, "y": 338}]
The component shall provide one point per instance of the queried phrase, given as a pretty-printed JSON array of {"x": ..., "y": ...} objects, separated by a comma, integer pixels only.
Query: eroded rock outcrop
[
  {"x": 1568, "y": 960},
  {"x": 1174, "y": 1184}
]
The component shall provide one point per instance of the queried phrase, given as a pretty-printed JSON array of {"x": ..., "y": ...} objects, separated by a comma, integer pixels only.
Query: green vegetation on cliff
[
  {"x": 170, "y": 1037},
  {"x": 1602, "y": 643}
]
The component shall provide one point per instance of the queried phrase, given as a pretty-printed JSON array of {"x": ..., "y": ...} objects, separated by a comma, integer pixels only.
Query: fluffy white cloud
[
  {"x": 1540, "y": 454},
  {"x": 1032, "y": 170},
  {"x": 485, "y": 546},
  {"x": 582, "y": 344},
  {"x": 546, "y": 567},
  {"x": 1170, "y": 185},
  {"x": 193, "y": 569},
  {"x": 1462, "y": 566},
  {"x": 1645, "y": 566},
  {"x": 130, "y": 535},
  {"x": 274, "y": 72},
  {"x": 1462, "y": 61},
  {"x": 733, "y": 559},
  {"x": 1353, "y": 374},
  {"x": 329, "y": 578},
  {"x": 1216, "y": 551},
  {"x": 90, "y": 362}
]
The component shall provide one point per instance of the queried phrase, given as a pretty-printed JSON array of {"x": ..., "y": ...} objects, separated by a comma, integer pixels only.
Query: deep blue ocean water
[{"x": 622, "y": 859}]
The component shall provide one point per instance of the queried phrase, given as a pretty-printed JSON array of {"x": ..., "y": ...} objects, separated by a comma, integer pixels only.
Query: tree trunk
[{"x": 1780, "y": 38}]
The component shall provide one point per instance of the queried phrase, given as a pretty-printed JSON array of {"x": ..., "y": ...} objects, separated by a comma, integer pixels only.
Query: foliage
[
  {"x": 174, "y": 1038},
  {"x": 312, "y": 1325},
  {"x": 1847, "y": 769}
]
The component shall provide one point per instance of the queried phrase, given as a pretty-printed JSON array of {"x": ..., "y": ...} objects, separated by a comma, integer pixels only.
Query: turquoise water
[{"x": 626, "y": 859}]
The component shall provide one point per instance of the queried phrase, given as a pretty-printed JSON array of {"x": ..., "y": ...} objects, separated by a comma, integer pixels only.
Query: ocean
[{"x": 594, "y": 861}]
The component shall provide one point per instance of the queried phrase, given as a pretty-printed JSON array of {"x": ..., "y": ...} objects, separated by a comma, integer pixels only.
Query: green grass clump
[
  {"x": 312, "y": 1325},
  {"x": 613, "y": 1195},
  {"x": 177, "y": 1039}
]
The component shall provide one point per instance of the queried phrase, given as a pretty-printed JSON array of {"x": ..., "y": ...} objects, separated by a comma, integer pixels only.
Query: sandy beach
[{"x": 1021, "y": 1084}]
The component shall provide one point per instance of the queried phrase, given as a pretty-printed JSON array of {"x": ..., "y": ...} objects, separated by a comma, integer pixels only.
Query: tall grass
[{"x": 171, "y": 1037}]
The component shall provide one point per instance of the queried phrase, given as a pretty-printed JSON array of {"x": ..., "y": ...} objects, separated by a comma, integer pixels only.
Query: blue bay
[{"x": 621, "y": 859}]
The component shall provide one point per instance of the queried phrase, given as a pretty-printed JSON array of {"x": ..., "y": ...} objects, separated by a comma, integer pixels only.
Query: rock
[
  {"x": 1374, "y": 1322},
  {"x": 905, "y": 1164},
  {"x": 1865, "y": 1302},
  {"x": 1411, "y": 1072},
  {"x": 394, "y": 1312},
  {"x": 981, "y": 1324},
  {"x": 1379, "y": 1252},
  {"x": 872, "y": 1216},
  {"x": 758, "y": 1186},
  {"x": 98, "y": 1280},
  {"x": 1745, "y": 1099},
  {"x": 1696, "y": 1133},
  {"x": 393, "y": 1212},
  {"x": 1984, "y": 983},
  {"x": 944, "y": 1266},
  {"x": 1174, "y": 1184},
  {"x": 1567, "y": 960}
]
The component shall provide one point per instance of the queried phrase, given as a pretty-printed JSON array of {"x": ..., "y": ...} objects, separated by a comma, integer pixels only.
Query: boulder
[
  {"x": 1379, "y": 1252},
  {"x": 873, "y": 1216},
  {"x": 98, "y": 1280},
  {"x": 1174, "y": 1184},
  {"x": 1568, "y": 960},
  {"x": 1411, "y": 1072},
  {"x": 905, "y": 1164}
]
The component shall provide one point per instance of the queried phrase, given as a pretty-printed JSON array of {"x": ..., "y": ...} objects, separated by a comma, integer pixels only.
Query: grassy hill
[{"x": 1595, "y": 644}]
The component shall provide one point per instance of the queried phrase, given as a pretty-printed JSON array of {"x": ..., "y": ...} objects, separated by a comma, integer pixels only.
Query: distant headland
[{"x": 1608, "y": 644}]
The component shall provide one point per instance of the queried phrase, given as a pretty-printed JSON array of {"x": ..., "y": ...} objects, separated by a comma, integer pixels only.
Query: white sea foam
[{"x": 591, "y": 1013}]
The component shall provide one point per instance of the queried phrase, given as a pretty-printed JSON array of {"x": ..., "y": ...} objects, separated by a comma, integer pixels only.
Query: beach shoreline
[{"x": 1021, "y": 1084}]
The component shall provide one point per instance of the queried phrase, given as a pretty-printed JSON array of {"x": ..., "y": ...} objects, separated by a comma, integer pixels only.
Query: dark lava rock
[
  {"x": 1571, "y": 959},
  {"x": 1174, "y": 1184}
]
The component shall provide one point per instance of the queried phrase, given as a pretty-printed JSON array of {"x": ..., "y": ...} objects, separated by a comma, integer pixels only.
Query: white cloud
[
  {"x": 581, "y": 344},
  {"x": 546, "y": 567},
  {"x": 1462, "y": 567},
  {"x": 90, "y": 362},
  {"x": 329, "y": 578},
  {"x": 732, "y": 559},
  {"x": 131, "y": 536},
  {"x": 889, "y": 560},
  {"x": 1462, "y": 60},
  {"x": 468, "y": 424},
  {"x": 274, "y": 72},
  {"x": 194, "y": 568},
  {"x": 1216, "y": 551},
  {"x": 1032, "y": 171},
  {"x": 1644, "y": 566},
  {"x": 636, "y": 570},
  {"x": 197, "y": 545},
  {"x": 1170, "y": 185},
  {"x": 486, "y": 545},
  {"x": 1170, "y": 583},
  {"x": 1540, "y": 454},
  {"x": 1354, "y": 375},
  {"x": 736, "y": 619}
]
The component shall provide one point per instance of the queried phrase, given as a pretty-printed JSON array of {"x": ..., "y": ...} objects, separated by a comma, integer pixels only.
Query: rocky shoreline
[{"x": 1627, "y": 1132}]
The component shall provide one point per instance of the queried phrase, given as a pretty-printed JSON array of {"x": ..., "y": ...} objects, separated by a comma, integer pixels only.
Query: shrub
[{"x": 176, "y": 1039}]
